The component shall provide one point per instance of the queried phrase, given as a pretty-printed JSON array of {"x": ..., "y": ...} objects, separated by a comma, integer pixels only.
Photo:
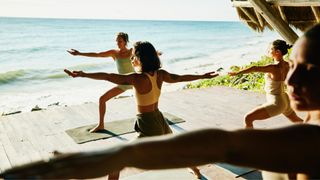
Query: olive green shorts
[
  {"x": 151, "y": 124},
  {"x": 124, "y": 87}
]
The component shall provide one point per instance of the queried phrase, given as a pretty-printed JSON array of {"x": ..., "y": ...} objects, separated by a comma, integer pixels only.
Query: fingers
[
  {"x": 215, "y": 75},
  {"x": 68, "y": 72},
  {"x": 72, "y": 51},
  {"x": 72, "y": 74}
]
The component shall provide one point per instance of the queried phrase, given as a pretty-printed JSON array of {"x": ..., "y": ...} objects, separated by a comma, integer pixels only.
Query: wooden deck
[{"x": 33, "y": 136}]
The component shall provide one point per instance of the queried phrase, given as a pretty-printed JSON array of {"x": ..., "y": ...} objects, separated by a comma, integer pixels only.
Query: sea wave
[
  {"x": 27, "y": 75},
  {"x": 174, "y": 60},
  {"x": 11, "y": 76},
  {"x": 27, "y": 49}
]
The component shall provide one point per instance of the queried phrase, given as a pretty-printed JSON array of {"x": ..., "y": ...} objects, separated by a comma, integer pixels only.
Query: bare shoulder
[
  {"x": 115, "y": 52},
  {"x": 284, "y": 65},
  {"x": 162, "y": 72},
  {"x": 124, "y": 54},
  {"x": 109, "y": 53}
]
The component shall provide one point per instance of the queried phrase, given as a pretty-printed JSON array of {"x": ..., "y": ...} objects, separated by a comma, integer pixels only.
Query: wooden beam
[
  {"x": 273, "y": 18},
  {"x": 282, "y": 14},
  {"x": 259, "y": 18},
  {"x": 300, "y": 3},
  {"x": 316, "y": 12},
  {"x": 250, "y": 16},
  {"x": 303, "y": 22}
]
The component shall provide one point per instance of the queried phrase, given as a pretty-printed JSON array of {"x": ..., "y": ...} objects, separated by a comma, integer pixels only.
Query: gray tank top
[{"x": 124, "y": 65}]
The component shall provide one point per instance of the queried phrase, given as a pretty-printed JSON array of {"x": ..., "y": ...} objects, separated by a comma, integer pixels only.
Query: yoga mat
[{"x": 115, "y": 128}]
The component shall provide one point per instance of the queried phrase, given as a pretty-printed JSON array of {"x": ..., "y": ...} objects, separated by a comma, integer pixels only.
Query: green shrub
[{"x": 250, "y": 81}]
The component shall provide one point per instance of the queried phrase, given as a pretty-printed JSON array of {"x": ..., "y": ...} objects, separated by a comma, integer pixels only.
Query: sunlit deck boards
[{"x": 33, "y": 136}]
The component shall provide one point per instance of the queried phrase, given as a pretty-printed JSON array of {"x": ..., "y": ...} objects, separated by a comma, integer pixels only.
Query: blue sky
[{"x": 202, "y": 10}]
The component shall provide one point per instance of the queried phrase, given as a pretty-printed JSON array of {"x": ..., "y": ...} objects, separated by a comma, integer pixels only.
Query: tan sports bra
[{"x": 152, "y": 96}]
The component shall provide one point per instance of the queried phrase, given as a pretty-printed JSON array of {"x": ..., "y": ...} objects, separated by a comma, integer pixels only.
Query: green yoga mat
[{"x": 115, "y": 128}]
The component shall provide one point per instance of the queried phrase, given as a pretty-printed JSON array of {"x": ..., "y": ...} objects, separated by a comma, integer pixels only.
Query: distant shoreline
[{"x": 102, "y": 19}]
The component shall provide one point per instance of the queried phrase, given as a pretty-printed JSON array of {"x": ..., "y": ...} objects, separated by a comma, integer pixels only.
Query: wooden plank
[
  {"x": 291, "y": 3},
  {"x": 272, "y": 17},
  {"x": 250, "y": 16},
  {"x": 5, "y": 162},
  {"x": 26, "y": 149},
  {"x": 201, "y": 108},
  {"x": 34, "y": 138},
  {"x": 10, "y": 149},
  {"x": 282, "y": 14},
  {"x": 259, "y": 18},
  {"x": 316, "y": 13}
]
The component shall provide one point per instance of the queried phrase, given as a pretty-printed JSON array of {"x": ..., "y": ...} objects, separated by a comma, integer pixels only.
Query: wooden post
[
  {"x": 316, "y": 13},
  {"x": 273, "y": 18}
]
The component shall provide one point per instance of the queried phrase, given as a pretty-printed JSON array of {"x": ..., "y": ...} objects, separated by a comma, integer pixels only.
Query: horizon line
[{"x": 120, "y": 19}]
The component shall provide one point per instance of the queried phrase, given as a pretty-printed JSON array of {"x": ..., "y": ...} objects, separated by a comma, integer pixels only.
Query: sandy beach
[{"x": 32, "y": 136}]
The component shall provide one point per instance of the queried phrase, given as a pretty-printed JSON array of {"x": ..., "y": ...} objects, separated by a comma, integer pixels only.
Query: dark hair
[
  {"x": 148, "y": 56},
  {"x": 124, "y": 36},
  {"x": 312, "y": 36},
  {"x": 313, "y": 33},
  {"x": 281, "y": 45}
]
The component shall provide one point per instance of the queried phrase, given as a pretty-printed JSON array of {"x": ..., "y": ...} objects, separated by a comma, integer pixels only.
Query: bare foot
[
  {"x": 97, "y": 128},
  {"x": 114, "y": 176},
  {"x": 56, "y": 153},
  {"x": 196, "y": 172},
  {"x": 248, "y": 126}
]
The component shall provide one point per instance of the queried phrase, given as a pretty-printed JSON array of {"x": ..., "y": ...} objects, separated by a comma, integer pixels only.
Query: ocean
[{"x": 33, "y": 55}]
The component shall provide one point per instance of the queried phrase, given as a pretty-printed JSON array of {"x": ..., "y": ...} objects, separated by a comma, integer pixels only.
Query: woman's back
[
  {"x": 274, "y": 81},
  {"x": 280, "y": 71},
  {"x": 148, "y": 90}
]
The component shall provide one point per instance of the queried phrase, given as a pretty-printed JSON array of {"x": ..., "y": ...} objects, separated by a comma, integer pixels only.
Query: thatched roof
[{"x": 300, "y": 14}]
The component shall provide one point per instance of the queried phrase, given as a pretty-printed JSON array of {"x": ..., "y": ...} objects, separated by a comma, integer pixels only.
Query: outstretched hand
[
  {"x": 40, "y": 169},
  {"x": 74, "y": 73},
  {"x": 65, "y": 166},
  {"x": 73, "y": 52},
  {"x": 210, "y": 74}
]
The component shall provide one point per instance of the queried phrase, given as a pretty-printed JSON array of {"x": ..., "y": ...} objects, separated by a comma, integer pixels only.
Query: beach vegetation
[{"x": 251, "y": 81}]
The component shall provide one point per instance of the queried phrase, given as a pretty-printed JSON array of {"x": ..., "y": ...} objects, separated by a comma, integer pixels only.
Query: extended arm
[
  {"x": 127, "y": 79},
  {"x": 173, "y": 78},
  {"x": 110, "y": 53},
  {"x": 265, "y": 69},
  {"x": 291, "y": 149}
]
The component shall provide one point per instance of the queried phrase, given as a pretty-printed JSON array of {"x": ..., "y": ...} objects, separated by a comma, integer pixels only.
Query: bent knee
[
  {"x": 248, "y": 118},
  {"x": 104, "y": 99}
]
